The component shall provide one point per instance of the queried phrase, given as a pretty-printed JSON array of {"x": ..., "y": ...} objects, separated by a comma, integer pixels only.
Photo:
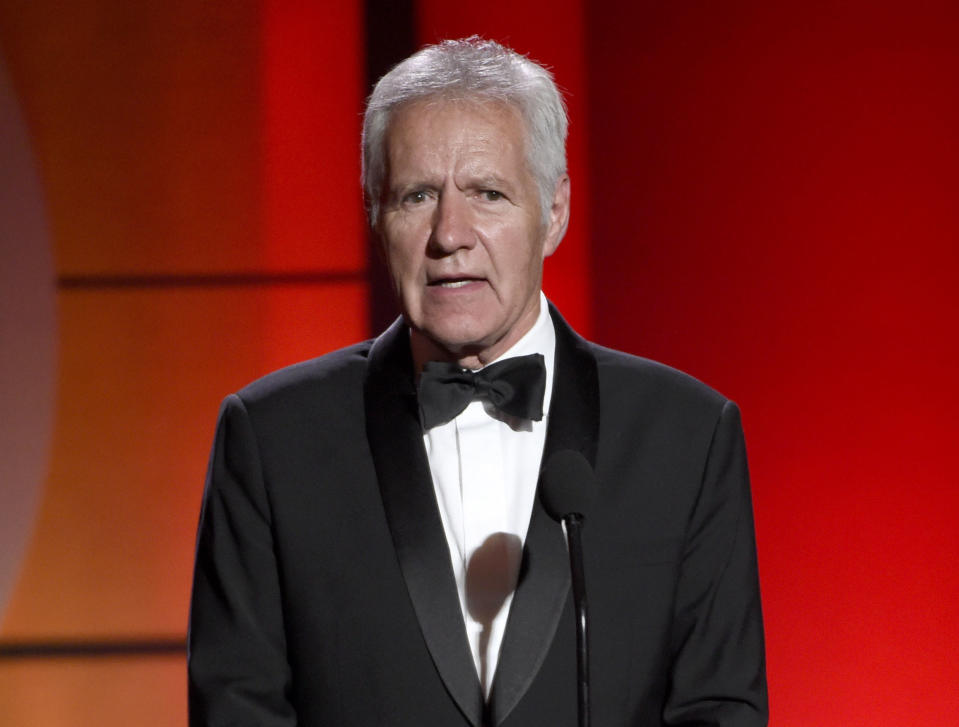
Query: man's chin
[{"x": 456, "y": 344}]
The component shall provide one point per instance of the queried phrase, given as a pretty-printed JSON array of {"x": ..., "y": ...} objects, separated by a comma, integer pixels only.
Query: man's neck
[{"x": 425, "y": 349}]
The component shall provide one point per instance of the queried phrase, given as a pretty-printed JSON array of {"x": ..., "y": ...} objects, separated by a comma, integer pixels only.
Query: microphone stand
[{"x": 574, "y": 541}]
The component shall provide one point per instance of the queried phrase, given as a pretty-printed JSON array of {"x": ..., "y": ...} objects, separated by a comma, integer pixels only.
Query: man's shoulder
[
  {"x": 335, "y": 374},
  {"x": 634, "y": 376},
  {"x": 627, "y": 381}
]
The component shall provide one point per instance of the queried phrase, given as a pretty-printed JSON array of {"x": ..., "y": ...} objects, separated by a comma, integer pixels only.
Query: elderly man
[{"x": 372, "y": 550}]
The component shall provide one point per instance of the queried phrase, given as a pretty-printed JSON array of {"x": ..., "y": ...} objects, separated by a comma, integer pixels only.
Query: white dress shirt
[{"x": 485, "y": 466}]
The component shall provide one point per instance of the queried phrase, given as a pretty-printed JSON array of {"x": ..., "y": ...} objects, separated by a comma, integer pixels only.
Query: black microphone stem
[{"x": 574, "y": 539}]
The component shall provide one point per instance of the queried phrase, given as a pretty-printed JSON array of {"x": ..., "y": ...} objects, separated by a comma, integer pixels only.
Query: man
[{"x": 372, "y": 550}]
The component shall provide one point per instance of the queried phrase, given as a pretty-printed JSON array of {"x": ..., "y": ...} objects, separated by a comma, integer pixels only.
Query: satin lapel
[
  {"x": 544, "y": 576},
  {"x": 395, "y": 437}
]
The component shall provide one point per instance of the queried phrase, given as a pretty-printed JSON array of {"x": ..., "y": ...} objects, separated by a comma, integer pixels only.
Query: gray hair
[{"x": 470, "y": 69}]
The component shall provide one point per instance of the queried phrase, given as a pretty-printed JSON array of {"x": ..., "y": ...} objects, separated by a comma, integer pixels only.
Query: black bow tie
[{"x": 515, "y": 386}]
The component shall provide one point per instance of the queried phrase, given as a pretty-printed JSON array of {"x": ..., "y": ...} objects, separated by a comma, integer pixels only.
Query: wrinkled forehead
[
  {"x": 436, "y": 121},
  {"x": 481, "y": 106}
]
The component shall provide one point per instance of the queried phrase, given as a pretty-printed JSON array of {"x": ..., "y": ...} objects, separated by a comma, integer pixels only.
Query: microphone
[
  {"x": 568, "y": 485},
  {"x": 567, "y": 488}
]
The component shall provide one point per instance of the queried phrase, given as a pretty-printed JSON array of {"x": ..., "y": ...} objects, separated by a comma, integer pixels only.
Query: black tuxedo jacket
[{"x": 324, "y": 595}]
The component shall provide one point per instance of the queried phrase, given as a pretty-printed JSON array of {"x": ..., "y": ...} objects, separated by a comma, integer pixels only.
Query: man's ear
[{"x": 558, "y": 216}]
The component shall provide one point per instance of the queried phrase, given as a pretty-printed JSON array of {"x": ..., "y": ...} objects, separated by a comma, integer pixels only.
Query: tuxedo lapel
[
  {"x": 544, "y": 581},
  {"x": 395, "y": 438}
]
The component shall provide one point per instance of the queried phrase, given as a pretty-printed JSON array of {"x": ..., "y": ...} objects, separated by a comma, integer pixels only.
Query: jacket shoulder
[
  {"x": 634, "y": 377},
  {"x": 333, "y": 375}
]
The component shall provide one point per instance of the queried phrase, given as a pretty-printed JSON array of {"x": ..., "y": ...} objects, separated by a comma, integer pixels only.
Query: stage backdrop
[{"x": 764, "y": 196}]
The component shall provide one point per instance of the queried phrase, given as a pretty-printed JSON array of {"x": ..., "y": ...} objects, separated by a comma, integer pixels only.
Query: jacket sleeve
[
  {"x": 718, "y": 668},
  {"x": 237, "y": 664}
]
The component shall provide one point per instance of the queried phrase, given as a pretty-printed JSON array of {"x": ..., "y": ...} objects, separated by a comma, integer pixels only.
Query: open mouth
[{"x": 452, "y": 282}]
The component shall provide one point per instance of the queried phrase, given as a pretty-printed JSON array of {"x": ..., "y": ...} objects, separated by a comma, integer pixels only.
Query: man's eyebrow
[
  {"x": 489, "y": 180},
  {"x": 411, "y": 182}
]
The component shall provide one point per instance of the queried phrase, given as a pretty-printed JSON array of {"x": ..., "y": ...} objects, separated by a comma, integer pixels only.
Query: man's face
[{"x": 462, "y": 228}]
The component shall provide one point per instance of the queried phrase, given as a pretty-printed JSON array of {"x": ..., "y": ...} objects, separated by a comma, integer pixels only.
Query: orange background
[{"x": 764, "y": 195}]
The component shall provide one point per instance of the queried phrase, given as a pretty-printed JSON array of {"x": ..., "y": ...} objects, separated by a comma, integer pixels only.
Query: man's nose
[{"x": 452, "y": 224}]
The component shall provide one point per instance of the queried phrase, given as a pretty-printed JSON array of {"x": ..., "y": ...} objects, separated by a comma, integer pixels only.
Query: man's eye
[
  {"x": 415, "y": 197},
  {"x": 491, "y": 195}
]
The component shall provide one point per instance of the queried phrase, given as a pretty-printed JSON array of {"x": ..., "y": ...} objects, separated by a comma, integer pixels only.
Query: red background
[{"x": 764, "y": 196}]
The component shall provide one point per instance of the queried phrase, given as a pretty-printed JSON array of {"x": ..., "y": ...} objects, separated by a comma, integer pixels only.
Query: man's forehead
[
  {"x": 499, "y": 117},
  {"x": 473, "y": 133},
  {"x": 477, "y": 103}
]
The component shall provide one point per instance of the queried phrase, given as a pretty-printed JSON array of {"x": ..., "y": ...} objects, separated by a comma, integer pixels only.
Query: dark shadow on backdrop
[{"x": 390, "y": 37}]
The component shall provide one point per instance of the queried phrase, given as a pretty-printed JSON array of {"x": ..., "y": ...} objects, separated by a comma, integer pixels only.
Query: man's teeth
[{"x": 454, "y": 283}]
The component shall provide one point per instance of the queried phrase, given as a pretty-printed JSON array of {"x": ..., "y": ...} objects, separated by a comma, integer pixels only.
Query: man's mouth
[{"x": 452, "y": 282}]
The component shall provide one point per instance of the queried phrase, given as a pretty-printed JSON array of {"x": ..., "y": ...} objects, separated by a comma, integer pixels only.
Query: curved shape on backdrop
[{"x": 28, "y": 339}]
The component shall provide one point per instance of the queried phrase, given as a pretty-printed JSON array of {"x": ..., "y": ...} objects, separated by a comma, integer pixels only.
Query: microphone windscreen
[{"x": 567, "y": 484}]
